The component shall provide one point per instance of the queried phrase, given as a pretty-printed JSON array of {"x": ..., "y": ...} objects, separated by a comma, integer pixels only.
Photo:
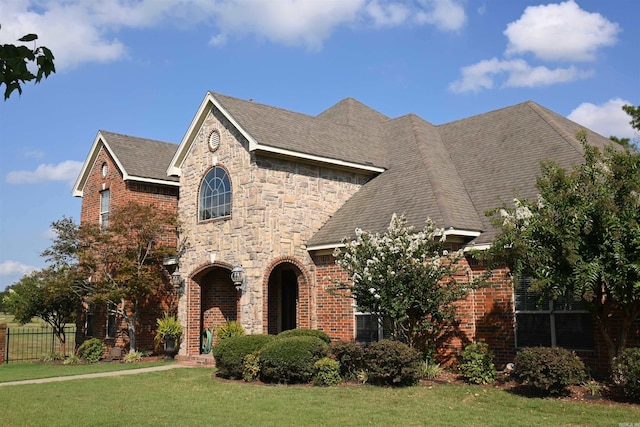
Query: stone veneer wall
[{"x": 277, "y": 205}]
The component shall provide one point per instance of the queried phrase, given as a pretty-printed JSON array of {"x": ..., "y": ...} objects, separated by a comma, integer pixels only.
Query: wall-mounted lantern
[{"x": 238, "y": 278}]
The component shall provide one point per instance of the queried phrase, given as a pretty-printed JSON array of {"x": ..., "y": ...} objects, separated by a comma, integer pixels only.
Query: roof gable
[{"x": 138, "y": 159}]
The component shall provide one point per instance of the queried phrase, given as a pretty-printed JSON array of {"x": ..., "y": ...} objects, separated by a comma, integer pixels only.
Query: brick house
[
  {"x": 275, "y": 192},
  {"x": 113, "y": 174}
]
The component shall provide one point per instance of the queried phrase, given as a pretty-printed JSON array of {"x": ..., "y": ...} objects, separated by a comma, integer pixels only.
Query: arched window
[{"x": 215, "y": 195}]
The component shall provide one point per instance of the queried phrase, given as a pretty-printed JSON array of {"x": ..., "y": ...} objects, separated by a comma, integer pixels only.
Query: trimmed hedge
[
  {"x": 230, "y": 353},
  {"x": 305, "y": 333},
  {"x": 291, "y": 360},
  {"x": 626, "y": 372},
  {"x": 549, "y": 370},
  {"x": 350, "y": 355},
  {"x": 392, "y": 363}
]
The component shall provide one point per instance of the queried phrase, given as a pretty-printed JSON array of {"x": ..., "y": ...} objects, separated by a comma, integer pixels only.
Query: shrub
[
  {"x": 291, "y": 360},
  {"x": 229, "y": 353},
  {"x": 626, "y": 372},
  {"x": 91, "y": 350},
  {"x": 305, "y": 333},
  {"x": 477, "y": 364},
  {"x": 54, "y": 356},
  {"x": 132, "y": 357},
  {"x": 549, "y": 370},
  {"x": 71, "y": 360},
  {"x": 251, "y": 366},
  {"x": 350, "y": 355},
  {"x": 327, "y": 372},
  {"x": 430, "y": 370},
  {"x": 392, "y": 363},
  {"x": 229, "y": 329}
]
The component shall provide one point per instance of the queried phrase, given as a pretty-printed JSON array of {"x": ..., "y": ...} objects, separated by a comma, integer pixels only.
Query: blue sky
[{"x": 142, "y": 67}]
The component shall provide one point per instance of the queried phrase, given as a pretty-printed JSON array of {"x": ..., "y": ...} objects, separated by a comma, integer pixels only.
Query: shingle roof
[
  {"x": 320, "y": 136},
  {"x": 141, "y": 157}
]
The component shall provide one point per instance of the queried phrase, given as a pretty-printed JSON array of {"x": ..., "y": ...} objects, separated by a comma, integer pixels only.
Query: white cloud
[
  {"x": 560, "y": 32},
  {"x": 607, "y": 118},
  {"x": 64, "y": 171},
  {"x": 79, "y": 31},
  {"x": 13, "y": 268},
  {"x": 519, "y": 73},
  {"x": 553, "y": 32}
]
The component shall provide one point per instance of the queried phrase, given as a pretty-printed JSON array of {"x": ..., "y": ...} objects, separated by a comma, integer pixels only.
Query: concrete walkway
[{"x": 96, "y": 375}]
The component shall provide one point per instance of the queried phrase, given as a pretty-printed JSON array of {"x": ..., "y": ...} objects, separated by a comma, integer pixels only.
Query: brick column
[{"x": 3, "y": 341}]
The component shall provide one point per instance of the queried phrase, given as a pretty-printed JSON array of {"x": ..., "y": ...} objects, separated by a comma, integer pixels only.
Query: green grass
[
  {"x": 28, "y": 371},
  {"x": 189, "y": 397}
]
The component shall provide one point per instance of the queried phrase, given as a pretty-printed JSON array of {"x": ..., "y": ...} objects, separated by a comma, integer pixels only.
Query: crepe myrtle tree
[
  {"x": 122, "y": 264},
  {"x": 406, "y": 276},
  {"x": 580, "y": 238}
]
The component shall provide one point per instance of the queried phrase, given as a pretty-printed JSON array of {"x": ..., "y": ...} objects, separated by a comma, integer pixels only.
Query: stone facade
[{"x": 278, "y": 204}]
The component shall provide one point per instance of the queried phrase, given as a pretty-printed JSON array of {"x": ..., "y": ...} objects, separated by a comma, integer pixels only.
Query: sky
[{"x": 142, "y": 68}]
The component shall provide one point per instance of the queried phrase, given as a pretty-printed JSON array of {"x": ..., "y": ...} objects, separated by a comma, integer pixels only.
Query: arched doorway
[
  {"x": 283, "y": 298},
  {"x": 219, "y": 302}
]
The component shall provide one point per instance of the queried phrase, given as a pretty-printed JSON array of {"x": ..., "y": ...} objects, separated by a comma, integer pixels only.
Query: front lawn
[
  {"x": 30, "y": 371},
  {"x": 190, "y": 397}
]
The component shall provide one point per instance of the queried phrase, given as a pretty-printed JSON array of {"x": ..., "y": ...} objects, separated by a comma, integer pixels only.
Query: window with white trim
[
  {"x": 215, "y": 195},
  {"x": 105, "y": 197},
  {"x": 541, "y": 321},
  {"x": 112, "y": 327},
  {"x": 371, "y": 327}
]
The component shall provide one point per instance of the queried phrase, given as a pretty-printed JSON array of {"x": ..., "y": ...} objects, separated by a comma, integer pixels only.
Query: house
[
  {"x": 268, "y": 194},
  {"x": 117, "y": 170}
]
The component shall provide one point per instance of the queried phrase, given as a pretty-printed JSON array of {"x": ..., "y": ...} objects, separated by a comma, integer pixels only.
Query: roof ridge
[
  {"x": 551, "y": 120},
  {"x": 103, "y": 132},
  {"x": 259, "y": 104},
  {"x": 436, "y": 184}
]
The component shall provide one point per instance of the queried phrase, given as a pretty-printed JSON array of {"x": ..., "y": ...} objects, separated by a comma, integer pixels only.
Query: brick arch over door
[
  {"x": 288, "y": 290},
  {"x": 218, "y": 298}
]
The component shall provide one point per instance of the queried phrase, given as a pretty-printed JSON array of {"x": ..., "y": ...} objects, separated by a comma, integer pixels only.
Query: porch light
[
  {"x": 237, "y": 277},
  {"x": 176, "y": 279}
]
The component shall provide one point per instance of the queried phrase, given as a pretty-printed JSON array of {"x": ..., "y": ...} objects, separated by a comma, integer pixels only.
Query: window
[
  {"x": 104, "y": 208},
  {"x": 215, "y": 195},
  {"x": 112, "y": 327},
  {"x": 88, "y": 322},
  {"x": 541, "y": 321},
  {"x": 371, "y": 327}
]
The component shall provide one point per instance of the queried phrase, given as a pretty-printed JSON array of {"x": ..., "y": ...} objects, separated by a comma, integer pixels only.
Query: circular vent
[{"x": 214, "y": 140}]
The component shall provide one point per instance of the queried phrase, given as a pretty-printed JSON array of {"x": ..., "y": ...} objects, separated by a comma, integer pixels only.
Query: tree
[
  {"x": 14, "y": 61},
  {"x": 634, "y": 113},
  {"x": 123, "y": 263},
  {"x": 406, "y": 276},
  {"x": 46, "y": 294},
  {"x": 581, "y": 238}
]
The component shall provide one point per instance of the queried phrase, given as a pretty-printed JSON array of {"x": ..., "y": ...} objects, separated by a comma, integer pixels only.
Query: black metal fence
[{"x": 28, "y": 344}]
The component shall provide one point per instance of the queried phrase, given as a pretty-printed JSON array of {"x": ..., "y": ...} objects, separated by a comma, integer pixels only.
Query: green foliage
[
  {"x": 132, "y": 357},
  {"x": 230, "y": 353},
  {"x": 251, "y": 366},
  {"x": 124, "y": 260},
  {"x": 168, "y": 327},
  {"x": 430, "y": 370},
  {"x": 14, "y": 62},
  {"x": 91, "y": 350},
  {"x": 72, "y": 360},
  {"x": 291, "y": 360},
  {"x": 477, "y": 364},
  {"x": 407, "y": 276},
  {"x": 626, "y": 372},
  {"x": 229, "y": 329},
  {"x": 305, "y": 333},
  {"x": 54, "y": 356},
  {"x": 580, "y": 239},
  {"x": 549, "y": 370},
  {"x": 392, "y": 363},
  {"x": 350, "y": 355},
  {"x": 327, "y": 372},
  {"x": 47, "y": 294}
]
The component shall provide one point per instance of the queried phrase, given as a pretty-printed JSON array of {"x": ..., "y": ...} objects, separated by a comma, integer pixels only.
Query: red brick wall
[
  {"x": 220, "y": 299},
  {"x": 165, "y": 198},
  {"x": 335, "y": 312},
  {"x": 3, "y": 341}
]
